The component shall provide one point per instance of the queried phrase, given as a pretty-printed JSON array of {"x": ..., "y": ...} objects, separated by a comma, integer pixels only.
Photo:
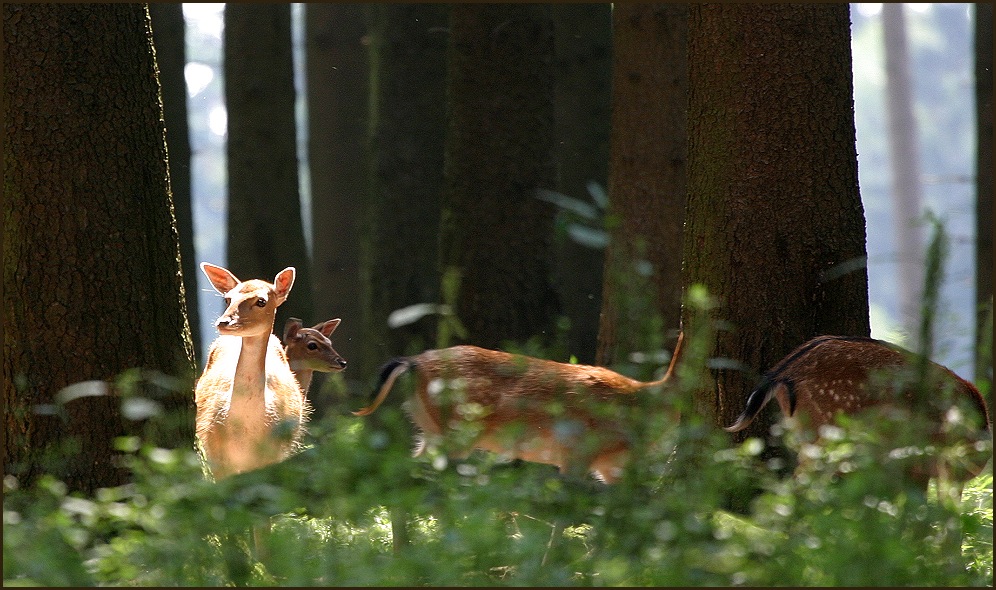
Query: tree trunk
[
  {"x": 92, "y": 282},
  {"x": 499, "y": 148},
  {"x": 583, "y": 38},
  {"x": 338, "y": 90},
  {"x": 774, "y": 223},
  {"x": 907, "y": 192},
  {"x": 984, "y": 191},
  {"x": 168, "y": 31},
  {"x": 265, "y": 229},
  {"x": 406, "y": 173},
  {"x": 646, "y": 179}
]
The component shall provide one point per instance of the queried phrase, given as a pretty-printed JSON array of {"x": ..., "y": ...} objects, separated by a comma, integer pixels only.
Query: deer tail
[
  {"x": 756, "y": 401},
  {"x": 389, "y": 373}
]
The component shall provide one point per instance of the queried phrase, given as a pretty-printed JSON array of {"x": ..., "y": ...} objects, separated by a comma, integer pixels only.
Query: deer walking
[
  {"x": 309, "y": 350},
  {"x": 837, "y": 374},
  {"x": 527, "y": 408},
  {"x": 250, "y": 409}
]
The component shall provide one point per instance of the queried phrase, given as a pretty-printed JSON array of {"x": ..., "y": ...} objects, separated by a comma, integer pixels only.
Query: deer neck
[
  {"x": 250, "y": 371},
  {"x": 304, "y": 378}
]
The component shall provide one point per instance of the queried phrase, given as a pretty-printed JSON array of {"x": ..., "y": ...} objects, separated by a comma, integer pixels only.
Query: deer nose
[
  {"x": 342, "y": 363},
  {"x": 225, "y": 321}
]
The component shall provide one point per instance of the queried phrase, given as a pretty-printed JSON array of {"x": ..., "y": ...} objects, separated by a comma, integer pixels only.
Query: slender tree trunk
[
  {"x": 92, "y": 282},
  {"x": 338, "y": 89},
  {"x": 406, "y": 173},
  {"x": 774, "y": 224},
  {"x": 907, "y": 192},
  {"x": 499, "y": 148},
  {"x": 642, "y": 293},
  {"x": 168, "y": 31},
  {"x": 984, "y": 190},
  {"x": 583, "y": 38},
  {"x": 265, "y": 231}
]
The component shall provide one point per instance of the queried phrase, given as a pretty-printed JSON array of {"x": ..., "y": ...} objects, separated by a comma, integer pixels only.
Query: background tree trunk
[
  {"x": 499, "y": 148},
  {"x": 774, "y": 225},
  {"x": 984, "y": 189},
  {"x": 265, "y": 229},
  {"x": 168, "y": 31},
  {"x": 91, "y": 258},
  {"x": 583, "y": 46},
  {"x": 338, "y": 88},
  {"x": 406, "y": 172},
  {"x": 907, "y": 191},
  {"x": 646, "y": 179}
]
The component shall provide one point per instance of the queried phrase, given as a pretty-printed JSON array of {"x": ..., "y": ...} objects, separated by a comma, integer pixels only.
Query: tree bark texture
[
  {"x": 168, "y": 31},
  {"x": 984, "y": 188},
  {"x": 646, "y": 179},
  {"x": 406, "y": 174},
  {"x": 92, "y": 283},
  {"x": 774, "y": 223},
  {"x": 498, "y": 153},
  {"x": 265, "y": 229},
  {"x": 583, "y": 47},
  {"x": 338, "y": 86}
]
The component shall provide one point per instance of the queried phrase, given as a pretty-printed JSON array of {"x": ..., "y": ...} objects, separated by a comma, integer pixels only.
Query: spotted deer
[
  {"x": 832, "y": 375},
  {"x": 309, "y": 350},
  {"x": 250, "y": 409},
  {"x": 521, "y": 407}
]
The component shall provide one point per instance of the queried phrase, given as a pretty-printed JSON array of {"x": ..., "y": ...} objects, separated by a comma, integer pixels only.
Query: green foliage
[{"x": 842, "y": 520}]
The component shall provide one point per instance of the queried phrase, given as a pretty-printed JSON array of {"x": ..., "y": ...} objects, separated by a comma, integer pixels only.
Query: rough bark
[
  {"x": 168, "y": 30},
  {"x": 646, "y": 179},
  {"x": 774, "y": 223},
  {"x": 498, "y": 153},
  {"x": 92, "y": 283},
  {"x": 265, "y": 228}
]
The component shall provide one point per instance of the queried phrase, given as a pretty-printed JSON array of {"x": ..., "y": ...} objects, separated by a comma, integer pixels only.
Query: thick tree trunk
[
  {"x": 265, "y": 229},
  {"x": 92, "y": 282},
  {"x": 984, "y": 190},
  {"x": 338, "y": 89},
  {"x": 499, "y": 148},
  {"x": 646, "y": 179},
  {"x": 406, "y": 174},
  {"x": 774, "y": 225},
  {"x": 168, "y": 35},
  {"x": 583, "y": 38}
]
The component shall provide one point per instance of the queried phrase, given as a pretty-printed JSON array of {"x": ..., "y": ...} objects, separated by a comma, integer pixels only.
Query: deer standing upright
[
  {"x": 250, "y": 410},
  {"x": 309, "y": 350},
  {"x": 527, "y": 408},
  {"x": 837, "y": 374}
]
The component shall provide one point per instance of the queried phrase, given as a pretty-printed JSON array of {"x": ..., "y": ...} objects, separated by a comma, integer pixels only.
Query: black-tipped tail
[
  {"x": 756, "y": 401},
  {"x": 391, "y": 370}
]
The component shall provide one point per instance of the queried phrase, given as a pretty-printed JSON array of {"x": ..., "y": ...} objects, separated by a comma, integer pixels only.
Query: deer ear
[
  {"x": 326, "y": 328},
  {"x": 221, "y": 278},
  {"x": 283, "y": 283},
  {"x": 291, "y": 327}
]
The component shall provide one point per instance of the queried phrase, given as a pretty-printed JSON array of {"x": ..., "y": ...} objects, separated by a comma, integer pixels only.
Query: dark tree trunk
[
  {"x": 91, "y": 280},
  {"x": 907, "y": 192},
  {"x": 499, "y": 148},
  {"x": 583, "y": 38},
  {"x": 646, "y": 179},
  {"x": 774, "y": 223},
  {"x": 265, "y": 229},
  {"x": 168, "y": 30},
  {"x": 984, "y": 190},
  {"x": 406, "y": 151},
  {"x": 338, "y": 94}
]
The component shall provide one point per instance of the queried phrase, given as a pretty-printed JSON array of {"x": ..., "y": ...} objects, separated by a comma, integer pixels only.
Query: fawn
[
  {"x": 309, "y": 350},
  {"x": 837, "y": 374},
  {"x": 250, "y": 409},
  {"x": 528, "y": 408}
]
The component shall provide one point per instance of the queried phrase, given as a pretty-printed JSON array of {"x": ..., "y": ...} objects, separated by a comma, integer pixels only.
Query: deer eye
[
  {"x": 261, "y": 302},
  {"x": 312, "y": 346}
]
